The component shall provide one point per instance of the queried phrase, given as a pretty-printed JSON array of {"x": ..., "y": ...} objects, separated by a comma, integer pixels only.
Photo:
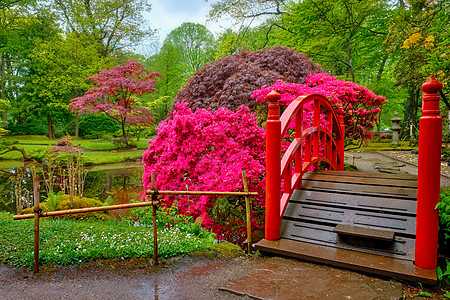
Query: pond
[{"x": 122, "y": 182}]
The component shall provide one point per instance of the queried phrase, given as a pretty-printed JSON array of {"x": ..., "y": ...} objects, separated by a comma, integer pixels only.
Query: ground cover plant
[
  {"x": 70, "y": 242},
  {"x": 36, "y": 146},
  {"x": 443, "y": 271}
]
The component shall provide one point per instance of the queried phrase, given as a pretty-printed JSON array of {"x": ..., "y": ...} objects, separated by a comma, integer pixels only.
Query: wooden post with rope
[
  {"x": 248, "y": 213},
  {"x": 155, "y": 231},
  {"x": 36, "y": 211}
]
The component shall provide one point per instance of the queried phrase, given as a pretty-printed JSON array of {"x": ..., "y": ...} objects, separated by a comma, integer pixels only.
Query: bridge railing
[{"x": 321, "y": 139}]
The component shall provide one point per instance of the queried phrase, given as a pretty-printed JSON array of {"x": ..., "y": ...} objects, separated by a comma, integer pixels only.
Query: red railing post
[
  {"x": 428, "y": 181},
  {"x": 341, "y": 143},
  {"x": 273, "y": 168}
]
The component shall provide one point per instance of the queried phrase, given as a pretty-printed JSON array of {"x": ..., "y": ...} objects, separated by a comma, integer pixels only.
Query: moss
[
  {"x": 350, "y": 167},
  {"x": 42, "y": 206},
  {"x": 83, "y": 203},
  {"x": 228, "y": 250}
]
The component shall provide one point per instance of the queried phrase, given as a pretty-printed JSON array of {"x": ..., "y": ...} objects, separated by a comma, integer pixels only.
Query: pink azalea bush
[
  {"x": 359, "y": 105},
  {"x": 207, "y": 151}
]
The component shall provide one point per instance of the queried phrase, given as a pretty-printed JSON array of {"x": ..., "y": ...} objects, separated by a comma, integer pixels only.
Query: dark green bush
[
  {"x": 444, "y": 221},
  {"x": 34, "y": 127},
  {"x": 94, "y": 126}
]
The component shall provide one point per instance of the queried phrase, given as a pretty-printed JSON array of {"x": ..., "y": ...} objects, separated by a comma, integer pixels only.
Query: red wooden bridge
[{"x": 375, "y": 223}]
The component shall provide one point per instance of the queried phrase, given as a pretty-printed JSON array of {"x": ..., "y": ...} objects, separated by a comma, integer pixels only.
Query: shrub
[
  {"x": 96, "y": 125},
  {"x": 206, "y": 151},
  {"x": 229, "y": 81},
  {"x": 444, "y": 221},
  {"x": 82, "y": 203},
  {"x": 34, "y": 127},
  {"x": 359, "y": 105}
]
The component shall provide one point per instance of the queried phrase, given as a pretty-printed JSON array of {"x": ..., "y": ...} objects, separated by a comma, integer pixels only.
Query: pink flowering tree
[
  {"x": 359, "y": 105},
  {"x": 116, "y": 95},
  {"x": 207, "y": 151}
]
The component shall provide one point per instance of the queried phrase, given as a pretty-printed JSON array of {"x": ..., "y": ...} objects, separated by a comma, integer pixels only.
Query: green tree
[
  {"x": 418, "y": 37},
  {"x": 169, "y": 63},
  {"x": 195, "y": 43},
  {"x": 60, "y": 66},
  {"x": 14, "y": 17},
  {"x": 115, "y": 24},
  {"x": 335, "y": 33}
]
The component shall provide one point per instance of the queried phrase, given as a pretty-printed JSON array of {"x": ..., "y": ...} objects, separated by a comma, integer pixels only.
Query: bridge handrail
[{"x": 307, "y": 140}]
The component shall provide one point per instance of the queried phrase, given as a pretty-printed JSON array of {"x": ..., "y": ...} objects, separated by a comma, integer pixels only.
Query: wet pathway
[
  {"x": 199, "y": 278},
  {"x": 390, "y": 162}
]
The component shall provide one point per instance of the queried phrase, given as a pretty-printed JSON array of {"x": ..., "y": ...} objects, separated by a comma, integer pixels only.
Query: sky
[{"x": 166, "y": 15}]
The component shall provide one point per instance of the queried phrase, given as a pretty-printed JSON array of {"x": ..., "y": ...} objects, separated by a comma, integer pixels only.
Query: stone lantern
[{"x": 395, "y": 129}]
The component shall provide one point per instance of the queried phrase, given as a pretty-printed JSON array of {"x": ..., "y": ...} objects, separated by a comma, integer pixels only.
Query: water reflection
[{"x": 122, "y": 182}]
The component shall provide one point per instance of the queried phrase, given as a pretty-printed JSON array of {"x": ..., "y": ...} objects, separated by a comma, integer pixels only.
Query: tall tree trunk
[
  {"x": 76, "y": 126},
  {"x": 4, "y": 122},
  {"x": 51, "y": 131},
  {"x": 410, "y": 110},
  {"x": 350, "y": 60},
  {"x": 379, "y": 76}
]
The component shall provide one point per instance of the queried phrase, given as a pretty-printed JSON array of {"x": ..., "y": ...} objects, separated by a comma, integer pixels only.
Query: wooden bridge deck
[{"x": 353, "y": 220}]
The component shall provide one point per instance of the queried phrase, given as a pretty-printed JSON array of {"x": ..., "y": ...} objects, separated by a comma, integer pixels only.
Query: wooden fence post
[
  {"x": 36, "y": 189},
  {"x": 155, "y": 229},
  {"x": 247, "y": 213},
  {"x": 273, "y": 168}
]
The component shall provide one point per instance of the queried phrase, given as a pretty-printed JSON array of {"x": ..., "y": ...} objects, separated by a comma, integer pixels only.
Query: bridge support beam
[
  {"x": 273, "y": 168},
  {"x": 428, "y": 186}
]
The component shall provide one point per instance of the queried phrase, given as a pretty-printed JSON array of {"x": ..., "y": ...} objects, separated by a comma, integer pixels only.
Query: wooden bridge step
[
  {"x": 354, "y": 179},
  {"x": 343, "y": 258},
  {"x": 364, "y": 232},
  {"x": 372, "y": 203}
]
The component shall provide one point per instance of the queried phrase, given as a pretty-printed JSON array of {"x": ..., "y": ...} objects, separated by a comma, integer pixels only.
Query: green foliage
[
  {"x": 33, "y": 127},
  {"x": 53, "y": 200},
  {"x": 444, "y": 275},
  {"x": 82, "y": 203},
  {"x": 195, "y": 43},
  {"x": 94, "y": 126},
  {"x": 169, "y": 218},
  {"x": 444, "y": 221},
  {"x": 73, "y": 242}
]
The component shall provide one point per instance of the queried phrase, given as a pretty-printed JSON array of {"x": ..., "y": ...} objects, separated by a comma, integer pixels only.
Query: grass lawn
[
  {"x": 73, "y": 242},
  {"x": 384, "y": 145},
  {"x": 34, "y": 143}
]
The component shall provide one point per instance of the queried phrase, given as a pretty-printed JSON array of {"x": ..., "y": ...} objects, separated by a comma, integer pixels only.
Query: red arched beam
[{"x": 307, "y": 140}]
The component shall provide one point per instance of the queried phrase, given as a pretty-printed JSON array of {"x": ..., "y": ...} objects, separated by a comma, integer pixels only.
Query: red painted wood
[
  {"x": 430, "y": 139},
  {"x": 307, "y": 141},
  {"x": 273, "y": 166}
]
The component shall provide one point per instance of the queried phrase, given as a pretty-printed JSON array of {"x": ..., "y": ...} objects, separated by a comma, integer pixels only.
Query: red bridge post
[
  {"x": 341, "y": 143},
  {"x": 428, "y": 185},
  {"x": 273, "y": 168}
]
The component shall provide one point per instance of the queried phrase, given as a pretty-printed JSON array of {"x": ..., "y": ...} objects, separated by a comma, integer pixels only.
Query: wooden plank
[
  {"x": 364, "y": 232},
  {"x": 356, "y": 189},
  {"x": 405, "y": 177},
  {"x": 388, "y": 182},
  {"x": 322, "y": 234},
  {"x": 377, "y": 220},
  {"x": 353, "y": 260},
  {"x": 367, "y": 203}
]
